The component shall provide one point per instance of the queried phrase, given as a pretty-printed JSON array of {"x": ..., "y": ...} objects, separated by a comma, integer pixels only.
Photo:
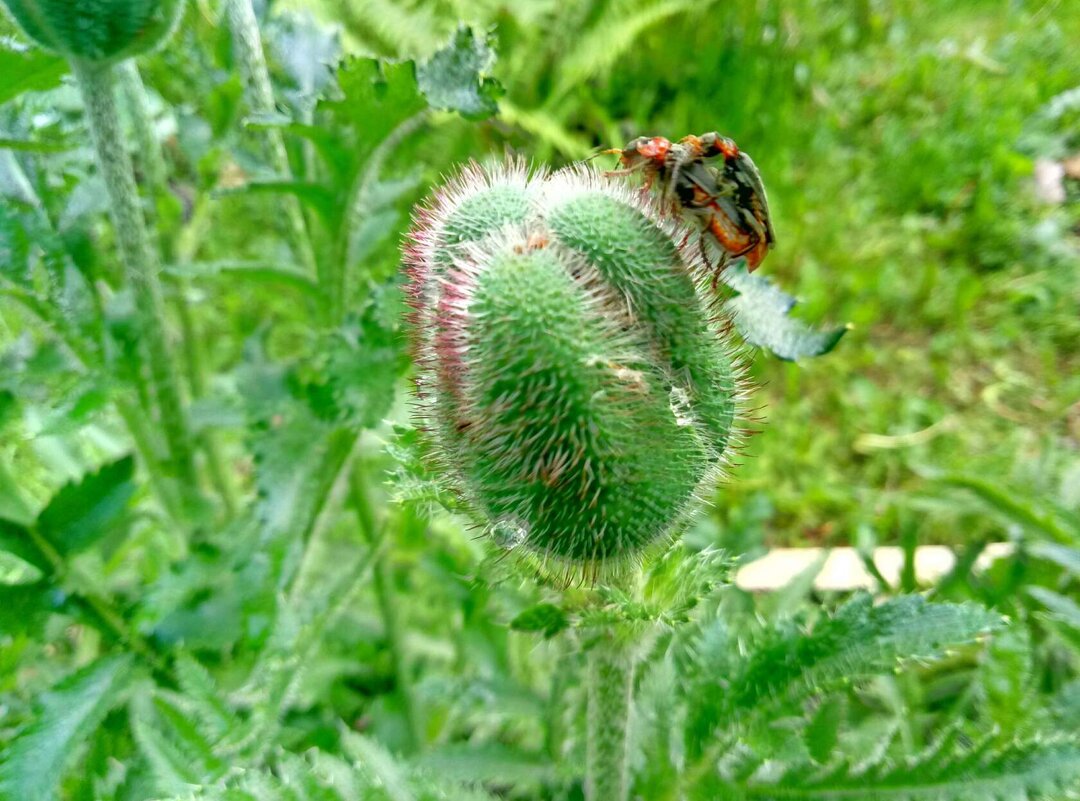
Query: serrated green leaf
[
  {"x": 64, "y": 721},
  {"x": 171, "y": 770},
  {"x": 546, "y": 618},
  {"x": 201, "y": 691},
  {"x": 859, "y": 641},
  {"x": 364, "y": 359},
  {"x": 823, "y": 731},
  {"x": 761, "y": 315},
  {"x": 375, "y": 99},
  {"x": 83, "y": 512},
  {"x": 1030, "y": 770},
  {"x": 456, "y": 78}
]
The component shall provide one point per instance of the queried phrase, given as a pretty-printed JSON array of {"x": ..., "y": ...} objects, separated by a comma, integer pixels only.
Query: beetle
[{"x": 710, "y": 179}]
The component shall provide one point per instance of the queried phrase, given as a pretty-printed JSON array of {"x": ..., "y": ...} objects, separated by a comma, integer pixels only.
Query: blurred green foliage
[{"x": 312, "y": 609}]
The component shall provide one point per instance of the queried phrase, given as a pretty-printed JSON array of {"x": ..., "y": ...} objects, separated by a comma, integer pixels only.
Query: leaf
[
  {"x": 1022, "y": 511},
  {"x": 547, "y": 618},
  {"x": 316, "y": 197},
  {"x": 456, "y": 77},
  {"x": 179, "y": 756},
  {"x": 760, "y": 312},
  {"x": 823, "y": 732},
  {"x": 171, "y": 771},
  {"x": 65, "y": 719},
  {"x": 599, "y": 48},
  {"x": 27, "y": 69},
  {"x": 271, "y": 273},
  {"x": 1061, "y": 608},
  {"x": 859, "y": 641},
  {"x": 364, "y": 359},
  {"x": 23, "y": 607},
  {"x": 16, "y": 539},
  {"x": 1006, "y": 679},
  {"x": 83, "y": 512},
  {"x": 492, "y": 763},
  {"x": 201, "y": 692},
  {"x": 1030, "y": 770},
  {"x": 1061, "y": 555},
  {"x": 375, "y": 99}
]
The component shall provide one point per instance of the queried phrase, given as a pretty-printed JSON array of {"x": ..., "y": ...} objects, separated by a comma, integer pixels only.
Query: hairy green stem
[
  {"x": 139, "y": 258},
  {"x": 149, "y": 154},
  {"x": 156, "y": 180},
  {"x": 248, "y": 51},
  {"x": 383, "y": 580},
  {"x": 610, "y": 682}
]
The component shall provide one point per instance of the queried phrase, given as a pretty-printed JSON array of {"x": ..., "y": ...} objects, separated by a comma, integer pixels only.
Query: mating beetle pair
[{"x": 728, "y": 200}]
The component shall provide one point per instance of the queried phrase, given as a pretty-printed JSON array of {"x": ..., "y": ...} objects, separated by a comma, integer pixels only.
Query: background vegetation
[{"x": 309, "y": 606}]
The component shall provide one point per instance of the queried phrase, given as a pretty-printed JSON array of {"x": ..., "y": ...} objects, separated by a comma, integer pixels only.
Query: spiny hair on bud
[{"x": 575, "y": 376}]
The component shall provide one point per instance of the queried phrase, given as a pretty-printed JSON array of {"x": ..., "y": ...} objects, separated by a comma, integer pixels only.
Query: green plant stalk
[
  {"x": 610, "y": 683},
  {"x": 248, "y": 49},
  {"x": 383, "y": 582},
  {"x": 139, "y": 258},
  {"x": 153, "y": 164},
  {"x": 149, "y": 151},
  {"x": 357, "y": 206}
]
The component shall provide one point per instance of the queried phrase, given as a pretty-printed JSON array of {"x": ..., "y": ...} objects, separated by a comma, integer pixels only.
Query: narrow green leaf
[
  {"x": 83, "y": 512},
  {"x": 66, "y": 717},
  {"x": 761, "y": 315},
  {"x": 255, "y": 271},
  {"x": 1061, "y": 607},
  {"x": 316, "y": 197},
  {"x": 1022, "y": 511},
  {"x": 1061, "y": 555}
]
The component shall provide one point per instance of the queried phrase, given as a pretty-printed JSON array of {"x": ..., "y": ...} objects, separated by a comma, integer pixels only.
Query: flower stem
[
  {"x": 610, "y": 679},
  {"x": 156, "y": 181},
  {"x": 388, "y": 607},
  {"x": 139, "y": 259},
  {"x": 248, "y": 51}
]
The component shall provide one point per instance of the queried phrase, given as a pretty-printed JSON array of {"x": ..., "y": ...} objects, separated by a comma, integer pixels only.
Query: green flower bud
[
  {"x": 96, "y": 31},
  {"x": 571, "y": 372}
]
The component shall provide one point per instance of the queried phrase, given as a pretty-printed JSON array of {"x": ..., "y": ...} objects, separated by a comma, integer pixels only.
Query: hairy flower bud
[
  {"x": 570, "y": 370},
  {"x": 96, "y": 31}
]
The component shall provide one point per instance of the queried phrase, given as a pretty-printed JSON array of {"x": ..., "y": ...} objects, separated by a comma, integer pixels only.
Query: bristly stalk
[
  {"x": 156, "y": 181},
  {"x": 609, "y": 686},
  {"x": 249, "y": 54},
  {"x": 376, "y": 534},
  {"x": 96, "y": 84}
]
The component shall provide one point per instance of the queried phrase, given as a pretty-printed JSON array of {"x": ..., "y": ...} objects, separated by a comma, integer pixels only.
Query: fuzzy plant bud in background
[
  {"x": 574, "y": 375},
  {"x": 96, "y": 31}
]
